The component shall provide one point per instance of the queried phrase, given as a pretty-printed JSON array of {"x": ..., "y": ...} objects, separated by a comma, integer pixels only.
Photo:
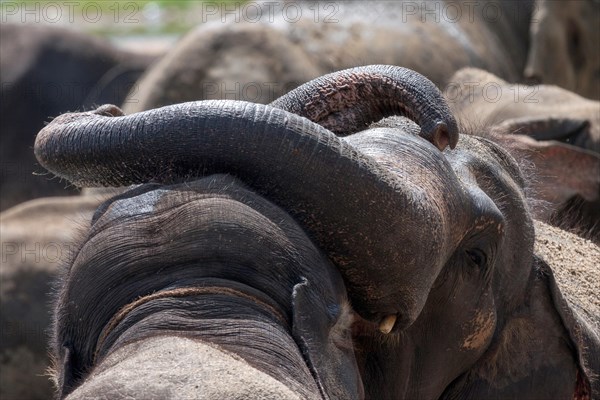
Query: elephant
[
  {"x": 566, "y": 150},
  {"x": 431, "y": 233},
  {"x": 544, "y": 112},
  {"x": 265, "y": 282},
  {"x": 259, "y": 59},
  {"x": 37, "y": 237},
  {"x": 304, "y": 274},
  {"x": 563, "y": 46},
  {"x": 46, "y": 71}
]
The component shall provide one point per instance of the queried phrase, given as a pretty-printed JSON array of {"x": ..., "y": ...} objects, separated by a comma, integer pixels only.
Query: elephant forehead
[
  {"x": 485, "y": 158},
  {"x": 494, "y": 181},
  {"x": 143, "y": 204},
  {"x": 405, "y": 154},
  {"x": 153, "y": 199},
  {"x": 187, "y": 220},
  {"x": 212, "y": 220}
]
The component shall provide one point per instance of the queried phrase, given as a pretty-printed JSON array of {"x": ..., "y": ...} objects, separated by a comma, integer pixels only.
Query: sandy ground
[{"x": 576, "y": 265}]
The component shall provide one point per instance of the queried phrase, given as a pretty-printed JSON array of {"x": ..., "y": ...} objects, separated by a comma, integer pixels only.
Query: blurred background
[
  {"x": 528, "y": 70},
  {"x": 119, "y": 21}
]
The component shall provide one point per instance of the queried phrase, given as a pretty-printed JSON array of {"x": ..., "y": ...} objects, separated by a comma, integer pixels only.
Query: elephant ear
[
  {"x": 561, "y": 170},
  {"x": 574, "y": 131},
  {"x": 325, "y": 343},
  {"x": 584, "y": 334},
  {"x": 548, "y": 346},
  {"x": 65, "y": 380}
]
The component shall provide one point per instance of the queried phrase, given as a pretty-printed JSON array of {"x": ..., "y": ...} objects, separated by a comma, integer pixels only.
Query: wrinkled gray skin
[
  {"x": 439, "y": 238},
  {"x": 259, "y": 61},
  {"x": 506, "y": 309},
  {"x": 566, "y": 150},
  {"x": 46, "y": 71},
  {"x": 217, "y": 257},
  {"x": 37, "y": 237},
  {"x": 232, "y": 291}
]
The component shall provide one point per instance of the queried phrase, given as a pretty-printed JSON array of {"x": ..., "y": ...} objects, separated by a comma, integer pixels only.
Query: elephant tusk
[{"x": 387, "y": 324}]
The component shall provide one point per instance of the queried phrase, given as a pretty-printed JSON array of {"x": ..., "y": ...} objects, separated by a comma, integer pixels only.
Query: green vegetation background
[{"x": 123, "y": 17}]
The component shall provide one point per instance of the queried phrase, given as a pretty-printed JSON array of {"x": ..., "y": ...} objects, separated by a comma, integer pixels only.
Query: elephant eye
[{"x": 477, "y": 257}]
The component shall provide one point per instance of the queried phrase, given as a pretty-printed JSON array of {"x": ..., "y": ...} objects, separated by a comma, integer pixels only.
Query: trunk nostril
[{"x": 442, "y": 138}]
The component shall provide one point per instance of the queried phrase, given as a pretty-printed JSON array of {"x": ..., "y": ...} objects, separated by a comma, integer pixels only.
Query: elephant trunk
[
  {"x": 348, "y": 101},
  {"x": 353, "y": 208}
]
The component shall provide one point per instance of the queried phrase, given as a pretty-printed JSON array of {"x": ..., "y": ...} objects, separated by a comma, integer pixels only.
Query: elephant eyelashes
[{"x": 478, "y": 257}]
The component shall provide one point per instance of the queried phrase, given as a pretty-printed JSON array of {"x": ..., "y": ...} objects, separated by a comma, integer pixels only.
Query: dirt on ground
[{"x": 576, "y": 266}]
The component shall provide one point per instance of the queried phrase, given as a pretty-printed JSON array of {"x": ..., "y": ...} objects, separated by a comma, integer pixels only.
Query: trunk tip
[
  {"x": 109, "y": 110},
  {"x": 443, "y": 136}
]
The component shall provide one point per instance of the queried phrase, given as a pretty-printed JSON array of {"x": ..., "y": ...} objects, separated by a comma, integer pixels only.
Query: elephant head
[
  {"x": 557, "y": 130},
  {"x": 203, "y": 276},
  {"x": 490, "y": 324},
  {"x": 492, "y": 316},
  {"x": 544, "y": 112},
  {"x": 303, "y": 166},
  {"x": 435, "y": 245},
  {"x": 300, "y": 153},
  {"x": 563, "y": 41}
]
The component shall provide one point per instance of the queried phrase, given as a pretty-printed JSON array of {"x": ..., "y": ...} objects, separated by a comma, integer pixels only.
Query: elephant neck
[{"x": 238, "y": 320}]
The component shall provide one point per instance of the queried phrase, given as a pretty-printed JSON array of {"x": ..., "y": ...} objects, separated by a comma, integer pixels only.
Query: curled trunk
[{"x": 348, "y": 101}]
